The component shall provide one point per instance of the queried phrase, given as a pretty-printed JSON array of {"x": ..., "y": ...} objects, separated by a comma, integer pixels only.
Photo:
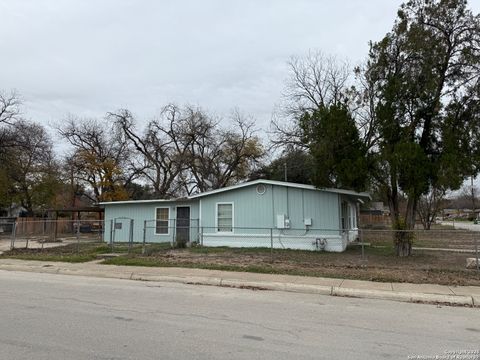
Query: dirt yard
[{"x": 379, "y": 264}]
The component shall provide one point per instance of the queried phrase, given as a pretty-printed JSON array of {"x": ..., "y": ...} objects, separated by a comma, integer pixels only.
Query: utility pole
[{"x": 285, "y": 171}]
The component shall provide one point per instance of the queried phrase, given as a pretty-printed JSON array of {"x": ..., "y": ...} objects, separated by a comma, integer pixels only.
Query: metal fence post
[
  {"x": 130, "y": 236},
  {"x": 144, "y": 236},
  {"x": 78, "y": 235},
  {"x": 271, "y": 245},
  {"x": 174, "y": 241},
  {"x": 201, "y": 236},
  {"x": 101, "y": 230},
  {"x": 362, "y": 242},
  {"x": 476, "y": 250},
  {"x": 112, "y": 230},
  {"x": 14, "y": 234}
]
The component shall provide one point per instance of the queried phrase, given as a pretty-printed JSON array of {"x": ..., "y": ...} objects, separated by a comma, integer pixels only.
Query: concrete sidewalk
[{"x": 425, "y": 293}]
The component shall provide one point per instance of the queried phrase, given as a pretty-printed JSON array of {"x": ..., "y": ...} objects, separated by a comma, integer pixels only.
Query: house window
[
  {"x": 225, "y": 217},
  {"x": 162, "y": 216}
]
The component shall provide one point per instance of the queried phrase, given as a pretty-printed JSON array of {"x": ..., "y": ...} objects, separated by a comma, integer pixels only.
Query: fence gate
[{"x": 122, "y": 230}]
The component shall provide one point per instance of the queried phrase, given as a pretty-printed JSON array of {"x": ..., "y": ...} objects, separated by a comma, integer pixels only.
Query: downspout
[
  {"x": 288, "y": 207},
  {"x": 303, "y": 205},
  {"x": 273, "y": 208}
]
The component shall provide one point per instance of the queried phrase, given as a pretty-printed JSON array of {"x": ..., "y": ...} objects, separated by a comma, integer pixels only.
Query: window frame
[
  {"x": 354, "y": 216},
  {"x": 233, "y": 217},
  {"x": 168, "y": 220}
]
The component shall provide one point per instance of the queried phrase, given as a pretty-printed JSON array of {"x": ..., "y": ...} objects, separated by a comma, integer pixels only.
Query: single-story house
[
  {"x": 13, "y": 211},
  {"x": 260, "y": 213}
]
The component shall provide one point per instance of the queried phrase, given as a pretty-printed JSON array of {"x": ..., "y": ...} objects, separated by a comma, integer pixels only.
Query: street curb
[
  {"x": 455, "y": 300},
  {"x": 458, "y": 300}
]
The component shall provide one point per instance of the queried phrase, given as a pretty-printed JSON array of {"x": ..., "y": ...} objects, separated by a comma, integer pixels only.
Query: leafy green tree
[
  {"x": 29, "y": 173},
  {"x": 339, "y": 155},
  {"x": 425, "y": 78},
  {"x": 415, "y": 106},
  {"x": 138, "y": 191},
  {"x": 297, "y": 163}
]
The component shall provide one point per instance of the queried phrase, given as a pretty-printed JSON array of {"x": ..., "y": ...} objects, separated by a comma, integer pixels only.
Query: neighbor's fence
[
  {"x": 374, "y": 219},
  {"x": 452, "y": 245},
  {"x": 25, "y": 233}
]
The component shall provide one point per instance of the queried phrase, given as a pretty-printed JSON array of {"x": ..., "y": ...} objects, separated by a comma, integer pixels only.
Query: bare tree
[
  {"x": 364, "y": 95},
  {"x": 469, "y": 193},
  {"x": 9, "y": 107},
  {"x": 10, "y": 104},
  {"x": 162, "y": 147},
  {"x": 315, "y": 80},
  {"x": 464, "y": 198},
  {"x": 429, "y": 206},
  {"x": 186, "y": 151},
  {"x": 101, "y": 157},
  {"x": 219, "y": 157}
]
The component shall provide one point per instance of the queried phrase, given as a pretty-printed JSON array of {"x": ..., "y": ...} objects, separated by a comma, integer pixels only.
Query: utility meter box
[
  {"x": 307, "y": 221},
  {"x": 283, "y": 222}
]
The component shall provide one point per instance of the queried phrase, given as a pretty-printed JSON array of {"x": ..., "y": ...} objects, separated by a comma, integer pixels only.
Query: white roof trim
[
  {"x": 281, "y": 183},
  {"x": 242, "y": 185},
  {"x": 142, "y": 201}
]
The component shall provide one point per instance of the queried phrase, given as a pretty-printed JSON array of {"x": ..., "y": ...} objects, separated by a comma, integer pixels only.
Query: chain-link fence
[
  {"x": 26, "y": 233},
  {"x": 126, "y": 235},
  {"x": 439, "y": 249},
  {"x": 7, "y": 230},
  {"x": 455, "y": 246},
  {"x": 436, "y": 239},
  {"x": 441, "y": 255}
]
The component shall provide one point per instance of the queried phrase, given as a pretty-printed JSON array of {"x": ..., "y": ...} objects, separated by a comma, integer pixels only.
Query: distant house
[
  {"x": 459, "y": 213},
  {"x": 259, "y": 213},
  {"x": 13, "y": 211}
]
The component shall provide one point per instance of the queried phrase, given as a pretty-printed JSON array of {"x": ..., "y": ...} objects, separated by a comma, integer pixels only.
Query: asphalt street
[{"x": 46, "y": 316}]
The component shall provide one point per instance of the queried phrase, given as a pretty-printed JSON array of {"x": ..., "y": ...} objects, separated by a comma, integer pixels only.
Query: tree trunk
[
  {"x": 411, "y": 212},
  {"x": 392, "y": 197},
  {"x": 404, "y": 235},
  {"x": 404, "y": 246}
]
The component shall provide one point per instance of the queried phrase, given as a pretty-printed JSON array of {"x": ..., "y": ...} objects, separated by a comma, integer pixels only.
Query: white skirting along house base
[{"x": 331, "y": 243}]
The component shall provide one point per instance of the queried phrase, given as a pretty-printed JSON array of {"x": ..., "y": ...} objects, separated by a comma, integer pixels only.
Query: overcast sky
[{"x": 89, "y": 57}]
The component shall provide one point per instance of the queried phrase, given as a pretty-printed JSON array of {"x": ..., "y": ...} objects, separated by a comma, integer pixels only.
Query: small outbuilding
[{"x": 260, "y": 213}]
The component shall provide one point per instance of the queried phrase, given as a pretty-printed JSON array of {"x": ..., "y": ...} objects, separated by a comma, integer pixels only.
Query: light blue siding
[
  {"x": 260, "y": 211},
  {"x": 139, "y": 212},
  {"x": 254, "y": 218}
]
